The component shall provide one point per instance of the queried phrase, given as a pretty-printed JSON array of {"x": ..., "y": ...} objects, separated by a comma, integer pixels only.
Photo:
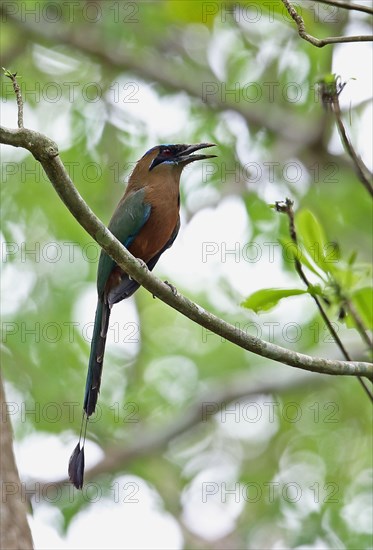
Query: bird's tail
[{"x": 96, "y": 358}]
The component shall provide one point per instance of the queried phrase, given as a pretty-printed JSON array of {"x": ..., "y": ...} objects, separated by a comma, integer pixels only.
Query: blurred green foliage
[{"x": 107, "y": 80}]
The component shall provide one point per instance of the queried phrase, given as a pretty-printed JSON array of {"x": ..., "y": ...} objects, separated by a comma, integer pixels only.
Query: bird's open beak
[{"x": 185, "y": 156}]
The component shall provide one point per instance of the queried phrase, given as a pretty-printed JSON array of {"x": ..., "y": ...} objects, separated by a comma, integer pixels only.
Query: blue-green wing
[
  {"x": 128, "y": 286},
  {"x": 129, "y": 217}
]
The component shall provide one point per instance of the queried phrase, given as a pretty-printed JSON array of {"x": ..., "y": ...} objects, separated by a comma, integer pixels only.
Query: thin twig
[
  {"x": 347, "y": 5},
  {"x": 320, "y": 42},
  {"x": 330, "y": 89},
  {"x": 348, "y": 306},
  {"x": 362, "y": 171},
  {"x": 18, "y": 93},
  {"x": 287, "y": 208},
  {"x": 358, "y": 322}
]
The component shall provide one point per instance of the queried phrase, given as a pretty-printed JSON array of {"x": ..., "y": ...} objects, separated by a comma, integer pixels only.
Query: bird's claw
[
  {"x": 172, "y": 287},
  {"x": 142, "y": 263}
]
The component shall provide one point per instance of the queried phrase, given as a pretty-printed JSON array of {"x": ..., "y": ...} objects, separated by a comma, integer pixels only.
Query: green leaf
[
  {"x": 352, "y": 258},
  {"x": 267, "y": 298},
  {"x": 311, "y": 233}
]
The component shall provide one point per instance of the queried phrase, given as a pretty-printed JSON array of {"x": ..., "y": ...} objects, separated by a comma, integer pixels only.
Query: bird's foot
[
  {"x": 142, "y": 263},
  {"x": 172, "y": 287}
]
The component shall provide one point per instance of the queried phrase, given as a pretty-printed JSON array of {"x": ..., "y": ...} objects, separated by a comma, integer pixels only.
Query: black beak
[
  {"x": 185, "y": 155},
  {"x": 180, "y": 154}
]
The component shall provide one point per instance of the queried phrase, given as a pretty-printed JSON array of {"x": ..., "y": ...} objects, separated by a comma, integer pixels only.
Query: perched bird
[{"x": 146, "y": 221}]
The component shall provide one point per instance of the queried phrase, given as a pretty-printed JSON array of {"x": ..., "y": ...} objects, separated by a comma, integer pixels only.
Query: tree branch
[
  {"x": 45, "y": 151},
  {"x": 15, "y": 532},
  {"x": 320, "y": 43}
]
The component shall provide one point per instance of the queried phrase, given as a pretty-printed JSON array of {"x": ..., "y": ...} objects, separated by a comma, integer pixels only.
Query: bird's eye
[{"x": 166, "y": 152}]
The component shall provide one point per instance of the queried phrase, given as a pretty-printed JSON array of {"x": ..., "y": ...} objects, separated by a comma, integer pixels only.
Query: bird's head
[
  {"x": 164, "y": 161},
  {"x": 175, "y": 155}
]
